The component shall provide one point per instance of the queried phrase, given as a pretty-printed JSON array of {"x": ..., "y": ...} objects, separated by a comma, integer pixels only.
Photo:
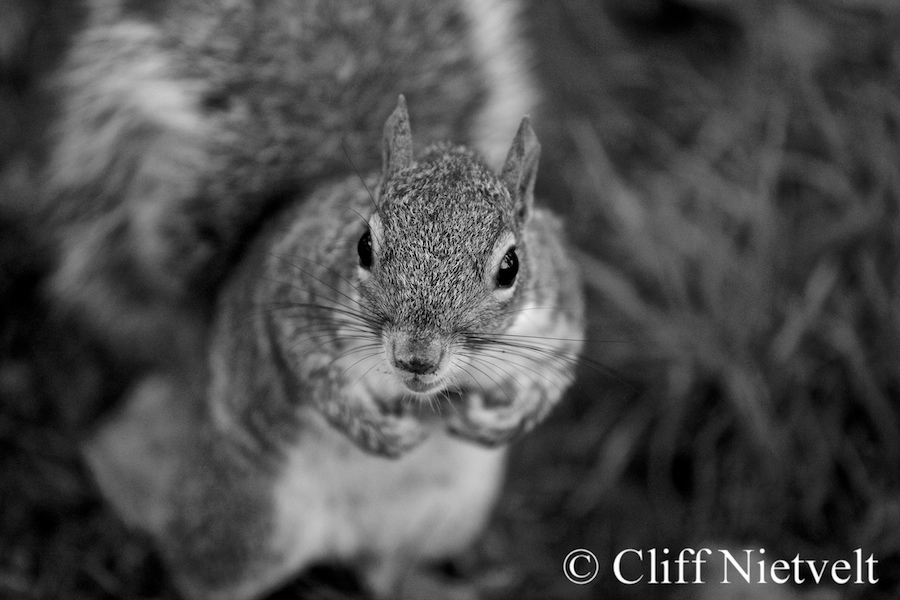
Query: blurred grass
[
  {"x": 731, "y": 178},
  {"x": 730, "y": 173}
]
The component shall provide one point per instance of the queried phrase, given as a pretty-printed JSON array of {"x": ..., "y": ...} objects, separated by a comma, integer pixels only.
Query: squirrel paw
[
  {"x": 385, "y": 429},
  {"x": 496, "y": 421},
  {"x": 387, "y": 435},
  {"x": 392, "y": 436}
]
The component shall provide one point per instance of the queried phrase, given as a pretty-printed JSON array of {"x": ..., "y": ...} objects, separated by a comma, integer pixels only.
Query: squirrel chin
[{"x": 422, "y": 386}]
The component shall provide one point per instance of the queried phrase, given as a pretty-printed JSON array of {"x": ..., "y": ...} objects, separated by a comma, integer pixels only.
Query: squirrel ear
[
  {"x": 396, "y": 148},
  {"x": 520, "y": 169}
]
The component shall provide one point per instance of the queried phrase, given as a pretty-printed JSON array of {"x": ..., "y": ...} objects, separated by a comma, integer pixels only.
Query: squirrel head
[{"x": 444, "y": 260}]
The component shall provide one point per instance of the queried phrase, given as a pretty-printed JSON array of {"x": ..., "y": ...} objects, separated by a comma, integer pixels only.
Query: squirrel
[
  {"x": 370, "y": 357},
  {"x": 317, "y": 373}
]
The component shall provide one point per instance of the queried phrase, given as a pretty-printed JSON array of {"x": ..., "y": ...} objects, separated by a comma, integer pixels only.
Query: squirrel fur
[
  {"x": 307, "y": 435},
  {"x": 328, "y": 367}
]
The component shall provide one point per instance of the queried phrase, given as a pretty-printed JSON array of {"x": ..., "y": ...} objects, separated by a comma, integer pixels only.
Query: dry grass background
[{"x": 731, "y": 176}]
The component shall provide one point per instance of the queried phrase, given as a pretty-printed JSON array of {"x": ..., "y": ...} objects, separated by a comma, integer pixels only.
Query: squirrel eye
[
  {"x": 509, "y": 267},
  {"x": 364, "y": 248}
]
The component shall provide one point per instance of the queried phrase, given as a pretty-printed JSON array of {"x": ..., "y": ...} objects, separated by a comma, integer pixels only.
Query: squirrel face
[{"x": 443, "y": 259}]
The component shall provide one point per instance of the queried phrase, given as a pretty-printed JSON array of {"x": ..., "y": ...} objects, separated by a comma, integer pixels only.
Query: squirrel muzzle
[{"x": 418, "y": 359}]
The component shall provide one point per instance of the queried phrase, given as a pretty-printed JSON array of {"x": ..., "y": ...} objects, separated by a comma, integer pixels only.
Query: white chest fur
[{"x": 334, "y": 501}]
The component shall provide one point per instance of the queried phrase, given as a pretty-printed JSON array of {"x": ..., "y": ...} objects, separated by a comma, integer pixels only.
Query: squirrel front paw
[
  {"x": 389, "y": 435},
  {"x": 371, "y": 425},
  {"x": 383, "y": 434},
  {"x": 494, "y": 421}
]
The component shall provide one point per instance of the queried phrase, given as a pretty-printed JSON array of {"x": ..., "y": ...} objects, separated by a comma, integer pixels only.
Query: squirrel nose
[
  {"x": 416, "y": 355},
  {"x": 417, "y": 365}
]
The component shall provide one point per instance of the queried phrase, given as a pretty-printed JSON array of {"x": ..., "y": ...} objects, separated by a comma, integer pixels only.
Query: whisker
[
  {"x": 320, "y": 335},
  {"x": 354, "y": 318},
  {"x": 554, "y": 339},
  {"x": 353, "y": 301},
  {"x": 367, "y": 371},
  {"x": 372, "y": 347},
  {"x": 321, "y": 323},
  {"x": 462, "y": 367},
  {"x": 282, "y": 258},
  {"x": 548, "y": 351},
  {"x": 574, "y": 360},
  {"x": 358, "y": 174},
  {"x": 496, "y": 382},
  {"x": 490, "y": 360},
  {"x": 348, "y": 312}
]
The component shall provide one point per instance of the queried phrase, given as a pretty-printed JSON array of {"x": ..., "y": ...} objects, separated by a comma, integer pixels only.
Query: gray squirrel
[
  {"x": 369, "y": 358},
  {"x": 327, "y": 367}
]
